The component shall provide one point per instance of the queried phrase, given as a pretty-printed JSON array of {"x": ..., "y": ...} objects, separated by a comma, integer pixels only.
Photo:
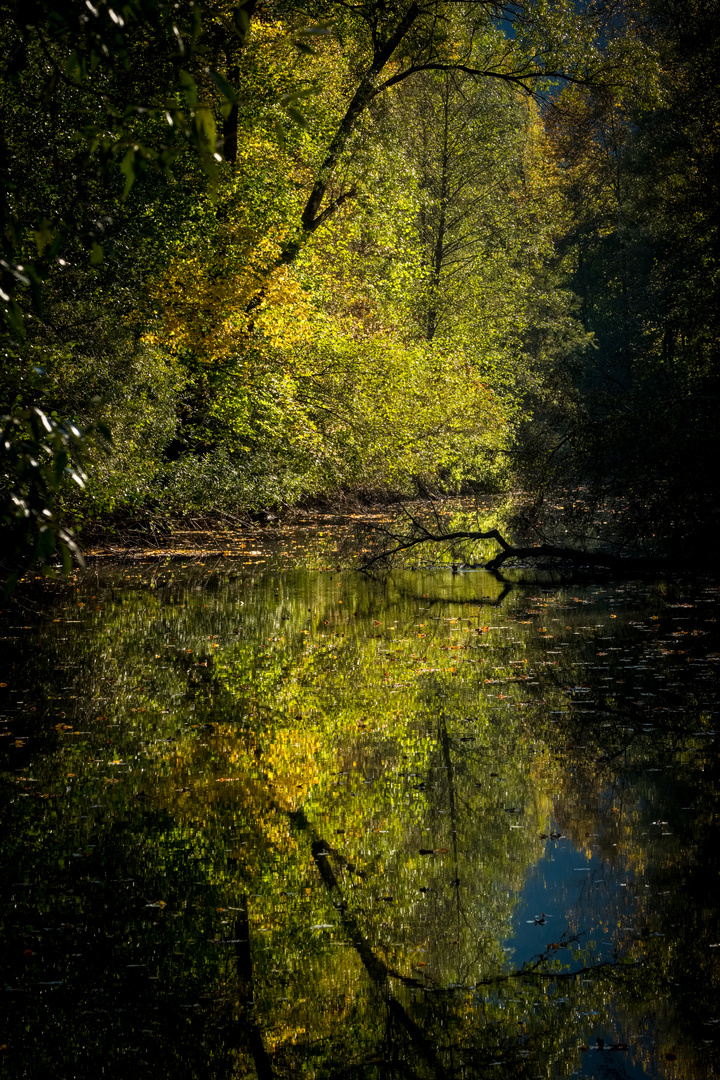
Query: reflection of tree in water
[
  {"x": 671, "y": 981},
  {"x": 645, "y": 782},
  {"x": 358, "y": 945}
]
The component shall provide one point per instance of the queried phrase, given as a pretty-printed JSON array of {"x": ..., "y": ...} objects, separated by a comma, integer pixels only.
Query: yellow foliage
[
  {"x": 293, "y": 765},
  {"x": 208, "y": 312}
]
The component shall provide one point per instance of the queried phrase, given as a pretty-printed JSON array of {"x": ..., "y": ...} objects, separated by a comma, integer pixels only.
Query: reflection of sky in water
[
  {"x": 609, "y": 1065},
  {"x": 555, "y": 888},
  {"x": 310, "y": 700},
  {"x": 576, "y": 895}
]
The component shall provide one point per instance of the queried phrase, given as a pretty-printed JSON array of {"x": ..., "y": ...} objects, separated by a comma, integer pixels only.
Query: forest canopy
[{"x": 254, "y": 254}]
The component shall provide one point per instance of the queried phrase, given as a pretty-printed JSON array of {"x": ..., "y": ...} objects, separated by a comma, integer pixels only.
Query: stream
[{"x": 264, "y": 821}]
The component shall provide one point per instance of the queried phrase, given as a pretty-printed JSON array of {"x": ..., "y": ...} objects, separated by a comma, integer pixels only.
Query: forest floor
[
  {"x": 352, "y": 533},
  {"x": 346, "y": 528},
  {"x": 293, "y": 534},
  {"x": 343, "y": 526}
]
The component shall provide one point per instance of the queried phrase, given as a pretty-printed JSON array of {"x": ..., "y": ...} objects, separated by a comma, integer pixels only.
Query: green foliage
[
  {"x": 139, "y": 407},
  {"x": 641, "y": 251},
  {"x": 205, "y": 732},
  {"x": 331, "y": 381},
  {"x": 37, "y": 454},
  {"x": 88, "y": 87},
  {"x": 295, "y": 252},
  {"x": 96, "y": 100}
]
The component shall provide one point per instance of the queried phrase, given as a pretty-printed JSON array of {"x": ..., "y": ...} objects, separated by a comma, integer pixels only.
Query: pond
[{"x": 275, "y": 822}]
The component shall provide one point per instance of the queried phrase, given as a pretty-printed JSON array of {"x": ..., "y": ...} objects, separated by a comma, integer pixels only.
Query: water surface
[{"x": 301, "y": 823}]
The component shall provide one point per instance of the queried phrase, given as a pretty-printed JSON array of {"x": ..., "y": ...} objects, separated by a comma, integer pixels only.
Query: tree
[
  {"x": 393, "y": 45},
  {"x": 89, "y": 85},
  {"x": 96, "y": 99},
  {"x": 640, "y": 169},
  {"x": 158, "y": 91}
]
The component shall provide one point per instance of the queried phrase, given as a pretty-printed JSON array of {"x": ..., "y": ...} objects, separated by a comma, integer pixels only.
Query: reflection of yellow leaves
[{"x": 292, "y": 762}]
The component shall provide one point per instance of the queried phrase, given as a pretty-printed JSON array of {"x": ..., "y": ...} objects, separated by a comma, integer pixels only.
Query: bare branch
[{"x": 534, "y": 552}]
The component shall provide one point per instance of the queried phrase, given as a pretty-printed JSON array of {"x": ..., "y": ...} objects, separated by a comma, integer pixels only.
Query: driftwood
[{"x": 421, "y": 534}]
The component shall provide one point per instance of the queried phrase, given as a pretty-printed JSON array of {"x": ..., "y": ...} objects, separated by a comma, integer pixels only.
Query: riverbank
[{"x": 342, "y": 528}]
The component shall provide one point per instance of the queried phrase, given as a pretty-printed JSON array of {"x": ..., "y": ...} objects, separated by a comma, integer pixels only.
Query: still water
[{"x": 308, "y": 824}]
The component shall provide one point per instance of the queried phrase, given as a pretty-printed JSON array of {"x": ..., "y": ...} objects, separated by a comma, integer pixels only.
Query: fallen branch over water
[{"x": 421, "y": 534}]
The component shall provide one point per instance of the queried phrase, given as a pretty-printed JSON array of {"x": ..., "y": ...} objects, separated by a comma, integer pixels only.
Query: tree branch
[{"x": 576, "y": 556}]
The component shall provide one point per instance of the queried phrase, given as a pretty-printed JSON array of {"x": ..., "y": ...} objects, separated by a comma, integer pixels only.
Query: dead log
[{"x": 532, "y": 552}]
